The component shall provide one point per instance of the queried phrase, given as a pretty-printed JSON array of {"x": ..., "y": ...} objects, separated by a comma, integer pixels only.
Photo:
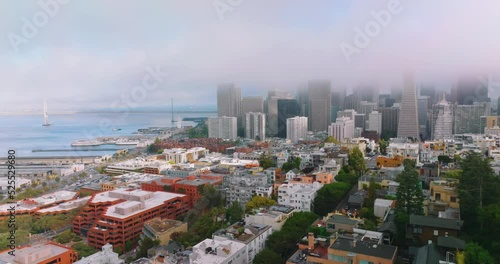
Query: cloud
[{"x": 90, "y": 53}]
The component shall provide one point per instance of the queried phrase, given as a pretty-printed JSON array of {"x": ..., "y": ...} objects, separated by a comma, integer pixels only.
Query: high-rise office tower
[
  {"x": 352, "y": 102},
  {"x": 228, "y": 100},
  {"x": 390, "y": 120},
  {"x": 320, "y": 97},
  {"x": 338, "y": 96},
  {"x": 255, "y": 126},
  {"x": 272, "y": 110},
  {"x": 253, "y": 104},
  {"x": 408, "y": 118},
  {"x": 443, "y": 120},
  {"x": 296, "y": 128},
  {"x": 343, "y": 128},
  {"x": 367, "y": 107},
  {"x": 287, "y": 108},
  {"x": 467, "y": 118},
  {"x": 424, "y": 107},
  {"x": 222, "y": 127},
  {"x": 428, "y": 89},
  {"x": 375, "y": 121},
  {"x": 489, "y": 122},
  {"x": 360, "y": 121},
  {"x": 351, "y": 113},
  {"x": 471, "y": 89}
]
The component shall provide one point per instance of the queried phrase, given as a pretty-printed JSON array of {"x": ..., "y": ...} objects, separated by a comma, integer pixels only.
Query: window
[
  {"x": 417, "y": 230},
  {"x": 453, "y": 199},
  {"x": 438, "y": 197},
  {"x": 436, "y": 232},
  {"x": 337, "y": 258}
]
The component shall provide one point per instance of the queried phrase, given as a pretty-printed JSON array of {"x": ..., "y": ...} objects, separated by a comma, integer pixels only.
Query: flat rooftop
[
  {"x": 67, "y": 206},
  {"x": 162, "y": 225},
  {"x": 33, "y": 254},
  {"x": 364, "y": 248}
]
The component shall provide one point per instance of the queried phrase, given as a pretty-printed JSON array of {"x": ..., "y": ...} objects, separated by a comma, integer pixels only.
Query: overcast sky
[{"x": 92, "y": 53}]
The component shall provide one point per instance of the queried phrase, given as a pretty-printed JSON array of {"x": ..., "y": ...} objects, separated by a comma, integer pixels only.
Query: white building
[
  {"x": 274, "y": 216},
  {"x": 218, "y": 250},
  {"x": 298, "y": 195},
  {"x": 406, "y": 150},
  {"x": 443, "y": 127},
  {"x": 253, "y": 235},
  {"x": 107, "y": 255},
  {"x": 222, "y": 127},
  {"x": 351, "y": 113},
  {"x": 343, "y": 128},
  {"x": 296, "y": 128},
  {"x": 255, "y": 126},
  {"x": 375, "y": 121}
]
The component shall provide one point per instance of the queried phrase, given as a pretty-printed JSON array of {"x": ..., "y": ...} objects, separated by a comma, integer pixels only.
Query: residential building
[
  {"x": 253, "y": 235},
  {"x": 320, "y": 96},
  {"x": 287, "y": 108},
  {"x": 296, "y": 128},
  {"x": 274, "y": 216},
  {"x": 443, "y": 194},
  {"x": 161, "y": 229},
  {"x": 105, "y": 256},
  {"x": 118, "y": 216},
  {"x": 405, "y": 149},
  {"x": 228, "y": 100},
  {"x": 375, "y": 121},
  {"x": 408, "y": 120},
  {"x": 382, "y": 206},
  {"x": 255, "y": 126},
  {"x": 241, "y": 186},
  {"x": 443, "y": 120},
  {"x": 342, "y": 129},
  {"x": 298, "y": 195},
  {"x": 50, "y": 253},
  {"x": 488, "y": 122},
  {"x": 218, "y": 250},
  {"x": 222, "y": 127},
  {"x": 422, "y": 229},
  {"x": 336, "y": 223}
]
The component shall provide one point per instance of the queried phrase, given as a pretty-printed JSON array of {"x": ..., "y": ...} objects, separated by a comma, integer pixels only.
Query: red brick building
[
  {"x": 50, "y": 253},
  {"x": 118, "y": 216}
]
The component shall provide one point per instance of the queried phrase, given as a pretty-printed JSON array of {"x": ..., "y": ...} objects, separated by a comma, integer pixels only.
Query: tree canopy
[
  {"x": 234, "y": 213},
  {"x": 266, "y": 161},
  {"x": 329, "y": 196},
  {"x": 258, "y": 202},
  {"x": 292, "y": 163},
  {"x": 267, "y": 256},
  {"x": 331, "y": 139},
  {"x": 356, "y": 161},
  {"x": 475, "y": 254}
]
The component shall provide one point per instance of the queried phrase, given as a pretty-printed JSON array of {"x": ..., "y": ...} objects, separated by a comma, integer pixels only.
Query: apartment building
[
  {"x": 50, "y": 253},
  {"x": 118, "y": 216},
  {"x": 298, "y": 195},
  {"x": 161, "y": 229},
  {"x": 274, "y": 216},
  {"x": 218, "y": 250},
  {"x": 241, "y": 186}
]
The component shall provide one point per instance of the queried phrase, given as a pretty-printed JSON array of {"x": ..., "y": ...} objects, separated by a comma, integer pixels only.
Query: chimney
[
  {"x": 310, "y": 241},
  {"x": 354, "y": 243}
]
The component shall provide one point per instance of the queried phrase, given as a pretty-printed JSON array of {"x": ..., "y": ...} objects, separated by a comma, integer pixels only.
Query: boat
[
  {"x": 45, "y": 115},
  {"x": 117, "y": 129},
  {"x": 86, "y": 143}
]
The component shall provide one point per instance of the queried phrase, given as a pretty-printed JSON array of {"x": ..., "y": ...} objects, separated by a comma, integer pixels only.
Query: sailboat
[{"x": 45, "y": 115}]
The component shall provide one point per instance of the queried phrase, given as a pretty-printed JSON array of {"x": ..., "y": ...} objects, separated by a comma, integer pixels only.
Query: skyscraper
[
  {"x": 390, "y": 119},
  {"x": 296, "y": 128},
  {"x": 255, "y": 126},
  {"x": 320, "y": 97},
  {"x": 343, "y": 128},
  {"x": 352, "y": 102},
  {"x": 228, "y": 100},
  {"x": 472, "y": 88},
  {"x": 408, "y": 120},
  {"x": 375, "y": 122},
  {"x": 366, "y": 92},
  {"x": 252, "y": 104},
  {"x": 424, "y": 106},
  {"x": 287, "y": 108},
  {"x": 272, "y": 109},
  {"x": 222, "y": 127},
  {"x": 443, "y": 120},
  {"x": 467, "y": 118}
]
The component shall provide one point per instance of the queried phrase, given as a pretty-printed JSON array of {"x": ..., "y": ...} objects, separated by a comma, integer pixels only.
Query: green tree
[
  {"x": 267, "y": 256},
  {"x": 331, "y": 139},
  {"x": 292, "y": 163},
  {"x": 475, "y": 254},
  {"x": 83, "y": 250},
  {"x": 258, "y": 202},
  {"x": 409, "y": 196},
  {"x": 356, "y": 161},
  {"x": 57, "y": 179},
  {"x": 266, "y": 161},
  {"x": 372, "y": 193},
  {"x": 146, "y": 244},
  {"x": 329, "y": 196},
  {"x": 234, "y": 213},
  {"x": 347, "y": 176}
]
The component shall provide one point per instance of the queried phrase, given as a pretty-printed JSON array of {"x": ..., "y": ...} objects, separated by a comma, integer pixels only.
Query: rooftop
[
  {"x": 67, "y": 206},
  {"x": 214, "y": 251},
  {"x": 342, "y": 220},
  {"x": 435, "y": 222},
  {"x": 33, "y": 254},
  {"x": 162, "y": 225},
  {"x": 364, "y": 248}
]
